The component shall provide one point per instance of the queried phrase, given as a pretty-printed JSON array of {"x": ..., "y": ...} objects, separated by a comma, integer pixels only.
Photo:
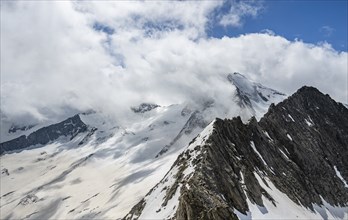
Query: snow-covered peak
[
  {"x": 243, "y": 84},
  {"x": 254, "y": 91},
  {"x": 254, "y": 96}
]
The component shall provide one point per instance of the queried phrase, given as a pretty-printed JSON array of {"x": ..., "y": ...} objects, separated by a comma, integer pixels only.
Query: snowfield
[{"x": 104, "y": 178}]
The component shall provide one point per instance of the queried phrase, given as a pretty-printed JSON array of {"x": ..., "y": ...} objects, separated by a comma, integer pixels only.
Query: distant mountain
[
  {"x": 252, "y": 99},
  {"x": 291, "y": 164},
  {"x": 93, "y": 165}
]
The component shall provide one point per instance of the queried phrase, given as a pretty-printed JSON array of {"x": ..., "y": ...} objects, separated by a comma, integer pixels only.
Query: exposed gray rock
[
  {"x": 28, "y": 199},
  {"x": 5, "y": 172},
  {"x": 144, "y": 107}
]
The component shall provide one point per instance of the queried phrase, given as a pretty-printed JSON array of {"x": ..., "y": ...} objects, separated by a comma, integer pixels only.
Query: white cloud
[
  {"x": 54, "y": 62},
  {"x": 239, "y": 10}
]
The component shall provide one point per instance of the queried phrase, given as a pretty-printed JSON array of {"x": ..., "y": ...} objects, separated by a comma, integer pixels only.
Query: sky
[
  {"x": 59, "y": 57},
  {"x": 312, "y": 21}
]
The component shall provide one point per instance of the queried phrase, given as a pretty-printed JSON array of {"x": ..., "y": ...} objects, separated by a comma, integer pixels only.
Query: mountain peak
[
  {"x": 308, "y": 89},
  {"x": 253, "y": 96},
  {"x": 306, "y": 99},
  {"x": 241, "y": 82}
]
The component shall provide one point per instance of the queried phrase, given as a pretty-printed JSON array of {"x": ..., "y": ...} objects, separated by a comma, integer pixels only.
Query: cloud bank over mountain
[{"x": 59, "y": 57}]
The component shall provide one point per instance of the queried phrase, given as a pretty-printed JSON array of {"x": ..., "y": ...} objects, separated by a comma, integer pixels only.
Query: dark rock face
[
  {"x": 5, "y": 172},
  {"x": 297, "y": 146},
  {"x": 69, "y": 127},
  {"x": 313, "y": 128},
  {"x": 144, "y": 107}
]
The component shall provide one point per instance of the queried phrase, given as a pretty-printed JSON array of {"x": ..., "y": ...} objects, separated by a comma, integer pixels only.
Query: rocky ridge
[
  {"x": 69, "y": 127},
  {"x": 296, "y": 153}
]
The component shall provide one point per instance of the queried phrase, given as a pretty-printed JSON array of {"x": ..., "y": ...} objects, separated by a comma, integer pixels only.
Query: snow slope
[
  {"x": 104, "y": 177},
  {"x": 284, "y": 207}
]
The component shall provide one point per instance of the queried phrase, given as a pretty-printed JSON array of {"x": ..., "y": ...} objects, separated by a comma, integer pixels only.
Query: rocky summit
[{"x": 291, "y": 164}]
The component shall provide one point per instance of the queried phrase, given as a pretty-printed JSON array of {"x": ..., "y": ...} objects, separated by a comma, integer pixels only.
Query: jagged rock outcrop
[
  {"x": 14, "y": 128},
  {"x": 144, "y": 107},
  {"x": 69, "y": 127},
  {"x": 299, "y": 148}
]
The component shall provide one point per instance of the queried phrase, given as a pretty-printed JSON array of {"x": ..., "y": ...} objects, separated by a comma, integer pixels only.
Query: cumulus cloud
[{"x": 60, "y": 57}]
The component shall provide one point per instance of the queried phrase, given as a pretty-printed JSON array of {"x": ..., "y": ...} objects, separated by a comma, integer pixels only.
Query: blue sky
[{"x": 312, "y": 21}]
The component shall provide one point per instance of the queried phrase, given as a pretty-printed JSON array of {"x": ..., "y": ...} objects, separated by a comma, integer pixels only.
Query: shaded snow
[
  {"x": 309, "y": 122},
  {"x": 290, "y": 138},
  {"x": 286, "y": 156},
  {"x": 340, "y": 176},
  {"x": 257, "y": 152},
  {"x": 267, "y": 135},
  {"x": 292, "y": 119}
]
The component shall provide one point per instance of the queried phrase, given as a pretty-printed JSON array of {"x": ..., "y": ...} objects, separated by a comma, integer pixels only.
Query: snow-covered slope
[
  {"x": 111, "y": 169},
  {"x": 103, "y": 171}
]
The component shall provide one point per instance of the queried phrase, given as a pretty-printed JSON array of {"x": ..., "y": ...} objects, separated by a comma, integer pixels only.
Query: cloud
[
  {"x": 109, "y": 56},
  {"x": 238, "y": 11},
  {"x": 327, "y": 30},
  {"x": 268, "y": 31}
]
